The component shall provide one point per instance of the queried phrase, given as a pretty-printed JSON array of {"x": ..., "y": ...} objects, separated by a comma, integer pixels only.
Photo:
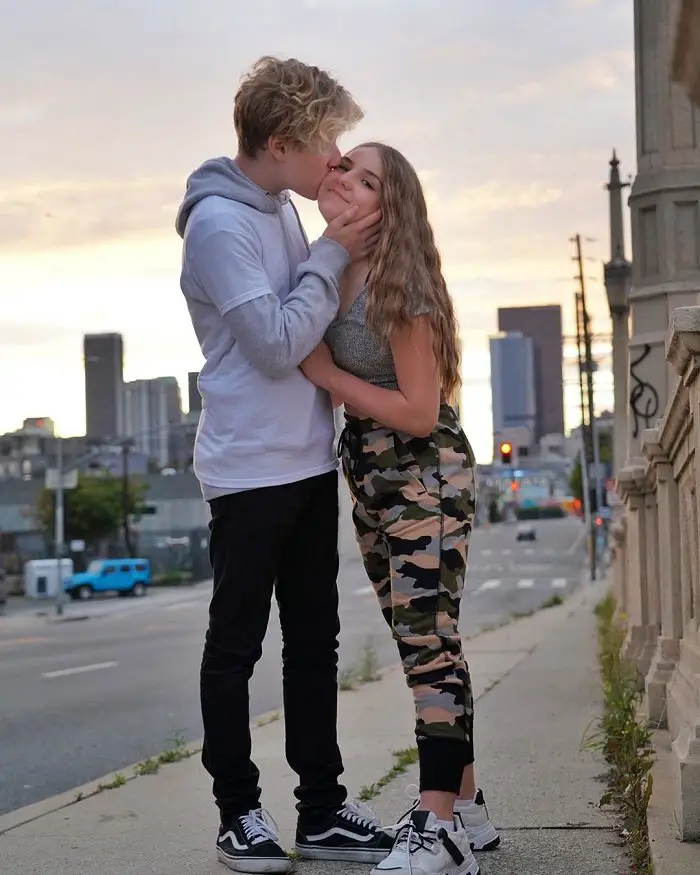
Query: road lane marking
[
  {"x": 80, "y": 669},
  {"x": 529, "y": 551},
  {"x": 559, "y": 583},
  {"x": 181, "y": 606},
  {"x": 489, "y": 584},
  {"x": 364, "y": 590},
  {"x": 486, "y": 552},
  {"x": 526, "y": 584},
  {"x": 505, "y": 552}
]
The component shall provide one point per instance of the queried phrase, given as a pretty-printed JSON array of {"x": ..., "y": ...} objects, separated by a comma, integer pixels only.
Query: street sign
[{"x": 70, "y": 479}]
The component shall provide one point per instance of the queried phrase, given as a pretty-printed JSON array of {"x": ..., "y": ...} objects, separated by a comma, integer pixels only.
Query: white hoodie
[{"x": 260, "y": 301}]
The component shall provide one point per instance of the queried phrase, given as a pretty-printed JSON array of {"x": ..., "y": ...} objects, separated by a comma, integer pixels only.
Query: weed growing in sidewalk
[
  {"x": 148, "y": 767},
  {"x": 403, "y": 760},
  {"x": 622, "y": 738},
  {"x": 552, "y": 602},
  {"x": 118, "y": 781},
  {"x": 177, "y": 749},
  {"x": 364, "y": 671},
  {"x": 272, "y": 718}
]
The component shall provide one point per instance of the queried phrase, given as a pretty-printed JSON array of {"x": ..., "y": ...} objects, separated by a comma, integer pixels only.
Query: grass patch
[
  {"x": 623, "y": 738},
  {"x": 364, "y": 671},
  {"x": 149, "y": 766},
  {"x": 552, "y": 602},
  {"x": 176, "y": 751},
  {"x": 403, "y": 760},
  {"x": 272, "y": 718},
  {"x": 118, "y": 781},
  {"x": 520, "y": 615}
]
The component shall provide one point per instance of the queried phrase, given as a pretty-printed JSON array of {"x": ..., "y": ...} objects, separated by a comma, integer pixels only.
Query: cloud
[{"x": 509, "y": 110}]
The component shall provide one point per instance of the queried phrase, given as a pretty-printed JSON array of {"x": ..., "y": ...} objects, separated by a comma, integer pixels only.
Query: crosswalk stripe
[
  {"x": 486, "y": 552},
  {"x": 559, "y": 583},
  {"x": 525, "y": 584},
  {"x": 489, "y": 584}
]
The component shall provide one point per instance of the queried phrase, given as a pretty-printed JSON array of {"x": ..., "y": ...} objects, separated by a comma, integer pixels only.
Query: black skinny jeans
[{"x": 281, "y": 538}]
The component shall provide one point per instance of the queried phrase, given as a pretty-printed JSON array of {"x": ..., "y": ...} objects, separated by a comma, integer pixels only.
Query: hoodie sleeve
[{"x": 274, "y": 336}]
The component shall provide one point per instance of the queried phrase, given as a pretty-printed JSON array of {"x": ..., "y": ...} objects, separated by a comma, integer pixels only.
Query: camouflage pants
[{"x": 413, "y": 509}]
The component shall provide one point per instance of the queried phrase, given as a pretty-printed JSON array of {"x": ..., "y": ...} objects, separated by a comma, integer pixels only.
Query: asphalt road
[{"x": 79, "y": 699}]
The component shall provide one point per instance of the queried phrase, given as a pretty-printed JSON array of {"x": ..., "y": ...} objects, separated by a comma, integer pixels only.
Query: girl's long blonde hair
[{"x": 405, "y": 269}]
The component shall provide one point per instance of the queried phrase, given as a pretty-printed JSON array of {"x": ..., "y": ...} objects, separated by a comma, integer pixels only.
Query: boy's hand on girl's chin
[{"x": 355, "y": 233}]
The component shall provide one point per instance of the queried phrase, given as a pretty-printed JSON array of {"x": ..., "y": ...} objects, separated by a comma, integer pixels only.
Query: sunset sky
[{"x": 508, "y": 109}]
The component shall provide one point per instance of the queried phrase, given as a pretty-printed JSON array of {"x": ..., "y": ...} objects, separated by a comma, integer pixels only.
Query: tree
[
  {"x": 576, "y": 480},
  {"x": 94, "y": 510}
]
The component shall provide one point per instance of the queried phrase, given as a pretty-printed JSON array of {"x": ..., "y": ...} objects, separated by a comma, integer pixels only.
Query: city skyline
[{"x": 509, "y": 114}]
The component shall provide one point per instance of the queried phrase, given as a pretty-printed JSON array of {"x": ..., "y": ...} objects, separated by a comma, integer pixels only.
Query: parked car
[
  {"x": 525, "y": 532},
  {"x": 123, "y": 576}
]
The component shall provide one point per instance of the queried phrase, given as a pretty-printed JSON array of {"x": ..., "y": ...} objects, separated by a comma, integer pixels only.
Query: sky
[{"x": 509, "y": 111}]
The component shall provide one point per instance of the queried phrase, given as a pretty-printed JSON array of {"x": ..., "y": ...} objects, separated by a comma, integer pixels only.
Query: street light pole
[{"x": 59, "y": 526}]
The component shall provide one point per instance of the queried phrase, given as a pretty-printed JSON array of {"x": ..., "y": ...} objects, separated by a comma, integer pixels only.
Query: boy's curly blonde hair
[{"x": 301, "y": 105}]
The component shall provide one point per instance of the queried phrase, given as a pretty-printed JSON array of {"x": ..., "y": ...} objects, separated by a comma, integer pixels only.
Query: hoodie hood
[{"x": 223, "y": 178}]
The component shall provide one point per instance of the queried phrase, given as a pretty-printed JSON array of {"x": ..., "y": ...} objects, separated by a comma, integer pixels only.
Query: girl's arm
[{"x": 413, "y": 407}]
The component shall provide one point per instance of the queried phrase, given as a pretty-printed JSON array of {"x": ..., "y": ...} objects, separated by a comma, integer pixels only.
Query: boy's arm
[{"x": 274, "y": 336}]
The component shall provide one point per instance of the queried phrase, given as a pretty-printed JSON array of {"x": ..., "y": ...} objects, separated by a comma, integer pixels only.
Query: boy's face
[{"x": 306, "y": 168}]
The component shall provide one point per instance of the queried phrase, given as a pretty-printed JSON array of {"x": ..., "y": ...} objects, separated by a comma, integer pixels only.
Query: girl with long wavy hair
[{"x": 392, "y": 358}]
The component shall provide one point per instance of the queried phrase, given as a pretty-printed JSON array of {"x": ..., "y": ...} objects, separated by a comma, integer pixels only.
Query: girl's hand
[{"x": 319, "y": 367}]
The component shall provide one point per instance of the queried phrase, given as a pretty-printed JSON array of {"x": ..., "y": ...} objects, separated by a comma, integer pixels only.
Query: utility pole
[
  {"x": 126, "y": 498},
  {"x": 588, "y": 421},
  {"x": 586, "y": 452}
]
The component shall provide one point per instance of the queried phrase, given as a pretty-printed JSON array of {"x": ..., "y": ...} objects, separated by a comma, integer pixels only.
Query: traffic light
[{"x": 506, "y": 453}]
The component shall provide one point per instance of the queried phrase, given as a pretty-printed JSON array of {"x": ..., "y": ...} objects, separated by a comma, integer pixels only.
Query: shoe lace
[
  {"x": 410, "y": 840},
  {"x": 259, "y": 826},
  {"x": 361, "y": 814}
]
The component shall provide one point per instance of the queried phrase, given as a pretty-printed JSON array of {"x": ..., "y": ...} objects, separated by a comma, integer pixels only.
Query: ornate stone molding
[
  {"x": 651, "y": 446},
  {"x": 631, "y": 480},
  {"x": 683, "y": 340}
]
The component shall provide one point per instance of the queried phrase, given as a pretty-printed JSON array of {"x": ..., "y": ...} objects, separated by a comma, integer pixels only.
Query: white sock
[
  {"x": 448, "y": 825},
  {"x": 465, "y": 803}
]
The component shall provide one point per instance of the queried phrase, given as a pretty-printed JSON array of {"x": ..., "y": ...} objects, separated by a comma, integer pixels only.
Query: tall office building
[
  {"x": 193, "y": 396},
  {"x": 513, "y": 391},
  {"x": 543, "y": 325},
  {"x": 151, "y": 407},
  {"x": 104, "y": 385}
]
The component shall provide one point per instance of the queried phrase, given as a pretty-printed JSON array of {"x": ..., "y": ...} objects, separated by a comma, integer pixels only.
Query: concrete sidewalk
[{"x": 537, "y": 687}]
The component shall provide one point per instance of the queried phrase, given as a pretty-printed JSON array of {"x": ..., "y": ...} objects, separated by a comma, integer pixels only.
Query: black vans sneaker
[
  {"x": 350, "y": 834},
  {"x": 249, "y": 844}
]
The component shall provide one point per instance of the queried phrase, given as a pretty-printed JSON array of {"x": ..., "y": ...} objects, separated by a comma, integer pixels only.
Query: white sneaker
[
  {"x": 474, "y": 817},
  {"x": 421, "y": 847}
]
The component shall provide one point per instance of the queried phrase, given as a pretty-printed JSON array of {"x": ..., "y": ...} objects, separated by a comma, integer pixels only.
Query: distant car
[
  {"x": 123, "y": 576},
  {"x": 525, "y": 532}
]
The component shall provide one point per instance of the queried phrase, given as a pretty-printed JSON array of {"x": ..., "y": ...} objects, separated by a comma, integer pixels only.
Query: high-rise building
[
  {"x": 151, "y": 407},
  {"x": 104, "y": 385},
  {"x": 543, "y": 325},
  {"x": 194, "y": 398},
  {"x": 513, "y": 391}
]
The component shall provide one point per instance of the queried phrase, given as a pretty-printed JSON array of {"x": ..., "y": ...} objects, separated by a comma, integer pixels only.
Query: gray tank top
[{"x": 358, "y": 350}]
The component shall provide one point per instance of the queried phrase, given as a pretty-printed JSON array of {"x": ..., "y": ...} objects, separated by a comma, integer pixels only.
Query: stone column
[
  {"x": 618, "y": 282},
  {"x": 665, "y": 203},
  {"x": 642, "y": 629},
  {"x": 667, "y": 548}
]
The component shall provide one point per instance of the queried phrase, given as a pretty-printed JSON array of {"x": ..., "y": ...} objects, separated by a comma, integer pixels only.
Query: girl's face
[{"x": 356, "y": 179}]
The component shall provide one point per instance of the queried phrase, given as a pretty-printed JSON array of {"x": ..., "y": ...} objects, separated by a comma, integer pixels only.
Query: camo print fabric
[{"x": 413, "y": 508}]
